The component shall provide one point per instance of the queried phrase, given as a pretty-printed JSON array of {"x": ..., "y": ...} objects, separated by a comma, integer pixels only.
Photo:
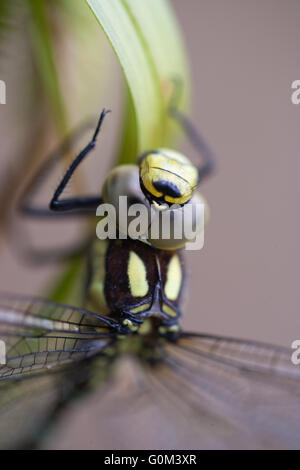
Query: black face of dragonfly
[{"x": 131, "y": 281}]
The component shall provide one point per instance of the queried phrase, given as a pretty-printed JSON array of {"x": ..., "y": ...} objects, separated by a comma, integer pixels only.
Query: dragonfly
[{"x": 202, "y": 390}]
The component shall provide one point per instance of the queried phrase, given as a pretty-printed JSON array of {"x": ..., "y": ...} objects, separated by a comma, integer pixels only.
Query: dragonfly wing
[
  {"x": 24, "y": 408},
  {"x": 38, "y": 335},
  {"x": 200, "y": 392},
  {"x": 128, "y": 412},
  {"x": 242, "y": 393},
  {"x": 44, "y": 342}
]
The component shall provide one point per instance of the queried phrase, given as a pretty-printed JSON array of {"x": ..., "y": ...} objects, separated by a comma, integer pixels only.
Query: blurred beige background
[{"x": 244, "y": 56}]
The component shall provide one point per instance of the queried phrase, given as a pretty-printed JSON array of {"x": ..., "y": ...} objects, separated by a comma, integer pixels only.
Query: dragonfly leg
[
  {"x": 192, "y": 133},
  {"x": 89, "y": 203},
  {"x": 67, "y": 207},
  {"x": 57, "y": 208}
]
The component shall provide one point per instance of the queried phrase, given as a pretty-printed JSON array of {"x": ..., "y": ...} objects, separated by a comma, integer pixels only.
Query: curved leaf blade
[
  {"x": 163, "y": 42},
  {"x": 138, "y": 70}
]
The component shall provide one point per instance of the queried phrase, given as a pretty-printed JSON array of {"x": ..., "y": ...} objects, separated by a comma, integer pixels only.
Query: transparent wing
[
  {"x": 199, "y": 391},
  {"x": 47, "y": 348},
  {"x": 241, "y": 393},
  {"x": 25, "y": 408},
  {"x": 39, "y": 334}
]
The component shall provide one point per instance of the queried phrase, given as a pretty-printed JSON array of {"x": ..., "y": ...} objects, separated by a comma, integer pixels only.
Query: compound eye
[
  {"x": 184, "y": 224},
  {"x": 167, "y": 188},
  {"x": 124, "y": 181},
  {"x": 167, "y": 176}
]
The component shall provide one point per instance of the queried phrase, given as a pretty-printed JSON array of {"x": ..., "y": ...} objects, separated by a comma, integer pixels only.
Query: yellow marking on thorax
[
  {"x": 169, "y": 311},
  {"x": 174, "y": 278},
  {"x": 141, "y": 308},
  {"x": 137, "y": 275}
]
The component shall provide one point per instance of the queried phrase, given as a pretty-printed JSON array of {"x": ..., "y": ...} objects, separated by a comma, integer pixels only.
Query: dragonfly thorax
[{"x": 132, "y": 281}]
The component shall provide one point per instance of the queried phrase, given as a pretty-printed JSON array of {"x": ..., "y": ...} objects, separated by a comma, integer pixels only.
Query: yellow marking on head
[
  {"x": 141, "y": 308},
  {"x": 137, "y": 275},
  {"x": 174, "y": 278},
  {"x": 170, "y": 166}
]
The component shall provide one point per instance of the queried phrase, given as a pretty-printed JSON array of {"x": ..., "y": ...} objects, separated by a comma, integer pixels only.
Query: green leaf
[
  {"x": 70, "y": 285},
  {"x": 6, "y": 14},
  {"x": 161, "y": 34},
  {"x": 42, "y": 42},
  {"x": 142, "y": 34}
]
